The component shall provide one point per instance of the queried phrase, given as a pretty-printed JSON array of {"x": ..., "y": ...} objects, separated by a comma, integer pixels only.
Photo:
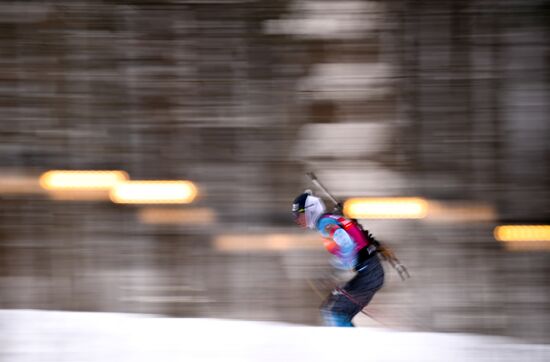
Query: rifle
[{"x": 386, "y": 253}]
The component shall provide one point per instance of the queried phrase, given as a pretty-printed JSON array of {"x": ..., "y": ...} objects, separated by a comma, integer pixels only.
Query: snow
[{"x": 31, "y": 335}]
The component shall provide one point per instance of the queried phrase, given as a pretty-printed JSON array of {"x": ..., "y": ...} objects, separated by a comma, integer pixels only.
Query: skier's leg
[
  {"x": 365, "y": 284},
  {"x": 344, "y": 303},
  {"x": 361, "y": 289},
  {"x": 337, "y": 310}
]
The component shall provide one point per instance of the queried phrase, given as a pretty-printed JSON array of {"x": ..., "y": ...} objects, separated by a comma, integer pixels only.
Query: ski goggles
[{"x": 297, "y": 211}]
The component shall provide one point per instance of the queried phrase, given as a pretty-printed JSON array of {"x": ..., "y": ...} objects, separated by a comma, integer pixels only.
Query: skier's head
[{"x": 307, "y": 209}]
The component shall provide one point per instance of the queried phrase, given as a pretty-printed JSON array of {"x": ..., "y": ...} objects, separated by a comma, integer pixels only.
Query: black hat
[{"x": 299, "y": 204}]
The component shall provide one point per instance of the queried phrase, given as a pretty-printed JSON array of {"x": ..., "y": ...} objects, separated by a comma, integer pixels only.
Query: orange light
[
  {"x": 81, "y": 180},
  {"x": 163, "y": 216},
  {"x": 386, "y": 208},
  {"x": 462, "y": 212},
  {"x": 524, "y": 237},
  {"x": 153, "y": 192},
  {"x": 268, "y": 242},
  {"x": 19, "y": 184},
  {"x": 522, "y": 233}
]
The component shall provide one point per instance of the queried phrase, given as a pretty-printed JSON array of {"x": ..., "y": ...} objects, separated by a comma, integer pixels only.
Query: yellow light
[
  {"x": 163, "y": 216},
  {"x": 523, "y": 237},
  {"x": 386, "y": 208},
  {"x": 154, "y": 192},
  {"x": 81, "y": 180},
  {"x": 510, "y": 233}
]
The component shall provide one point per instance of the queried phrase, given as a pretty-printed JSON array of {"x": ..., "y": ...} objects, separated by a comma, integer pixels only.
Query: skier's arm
[
  {"x": 339, "y": 243},
  {"x": 346, "y": 256}
]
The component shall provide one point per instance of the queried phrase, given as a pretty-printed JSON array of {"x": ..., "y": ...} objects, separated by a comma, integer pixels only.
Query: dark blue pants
[{"x": 344, "y": 303}]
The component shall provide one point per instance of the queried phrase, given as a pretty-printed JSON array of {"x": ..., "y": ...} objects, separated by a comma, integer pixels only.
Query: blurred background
[{"x": 445, "y": 100}]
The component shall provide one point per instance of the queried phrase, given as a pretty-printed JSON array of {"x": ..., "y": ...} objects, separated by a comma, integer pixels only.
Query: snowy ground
[{"x": 29, "y": 335}]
